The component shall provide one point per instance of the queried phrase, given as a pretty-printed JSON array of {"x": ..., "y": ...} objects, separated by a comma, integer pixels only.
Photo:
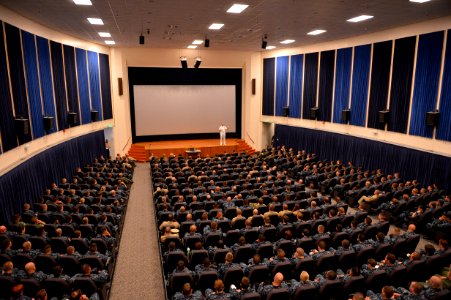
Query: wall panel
[
  {"x": 59, "y": 84},
  {"x": 360, "y": 81},
  {"x": 296, "y": 85},
  {"x": 444, "y": 124},
  {"x": 326, "y": 84},
  {"x": 106, "y": 86},
  {"x": 268, "y": 86},
  {"x": 310, "y": 83},
  {"x": 281, "y": 84},
  {"x": 342, "y": 82}
]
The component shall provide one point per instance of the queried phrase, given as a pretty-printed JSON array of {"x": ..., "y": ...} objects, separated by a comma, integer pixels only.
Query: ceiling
[{"x": 176, "y": 23}]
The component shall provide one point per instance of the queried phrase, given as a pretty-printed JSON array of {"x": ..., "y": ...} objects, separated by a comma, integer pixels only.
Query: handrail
[
  {"x": 250, "y": 138},
  {"x": 126, "y": 144}
]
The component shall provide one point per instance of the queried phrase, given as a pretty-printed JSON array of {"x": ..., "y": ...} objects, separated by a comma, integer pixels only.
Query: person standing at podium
[{"x": 222, "y": 134}]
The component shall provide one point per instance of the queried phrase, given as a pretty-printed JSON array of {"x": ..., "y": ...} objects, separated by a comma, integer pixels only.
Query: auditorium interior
[{"x": 195, "y": 149}]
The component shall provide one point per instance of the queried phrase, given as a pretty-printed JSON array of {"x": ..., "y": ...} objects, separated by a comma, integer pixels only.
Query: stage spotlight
[
  {"x": 141, "y": 39},
  {"x": 264, "y": 41},
  {"x": 197, "y": 62},
  {"x": 184, "y": 62},
  {"x": 206, "y": 43}
]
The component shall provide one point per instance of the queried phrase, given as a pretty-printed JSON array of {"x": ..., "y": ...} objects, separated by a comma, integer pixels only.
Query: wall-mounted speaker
[
  {"x": 207, "y": 43},
  {"x": 346, "y": 115},
  {"x": 141, "y": 39},
  {"x": 286, "y": 111},
  {"x": 314, "y": 113},
  {"x": 432, "y": 118},
  {"x": 48, "y": 123},
  {"x": 383, "y": 116},
  {"x": 72, "y": 118},
  {"x": 22, "y": 126},
  {"x": 94, "y": 115},
  {"x": 120, "y": 87},
  {"x": 253, "y": 86}
]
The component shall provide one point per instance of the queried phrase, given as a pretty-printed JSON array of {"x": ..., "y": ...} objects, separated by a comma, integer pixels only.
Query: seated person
[{"x": 188, "y": 294}]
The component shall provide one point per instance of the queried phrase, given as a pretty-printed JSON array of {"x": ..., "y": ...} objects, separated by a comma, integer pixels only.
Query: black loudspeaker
[
  {"x": 285, "y": 111},
  {"x": 432, "y": 118},
  {"x": 72, "y": 118},
  {"x": 22, "y": 126},
  {"x": 346, "y": 115},
  {"x": 141, "y": 39},
  {"x": 383, "y": 116},
  {"x": 94, "y": 115},
  {"x": 48, "y": 123},
  {"x": 314, "y": 113},
  {"x": 207, "y": 43},
  {"x": 253, "y": 86}
]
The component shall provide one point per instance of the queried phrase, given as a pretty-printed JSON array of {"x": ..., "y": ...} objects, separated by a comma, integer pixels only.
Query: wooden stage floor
[{"x": 208, "y": 147}]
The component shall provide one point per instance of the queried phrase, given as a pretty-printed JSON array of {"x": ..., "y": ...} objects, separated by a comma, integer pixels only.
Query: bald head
[
  {"x": 278, "y": 278},
  {"x": 30, "y": 268},
  {"x": 435, "y": 282},
  {"x": 411, "y": 228}
]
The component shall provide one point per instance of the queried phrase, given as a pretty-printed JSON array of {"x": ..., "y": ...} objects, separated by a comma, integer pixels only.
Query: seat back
[
  {"x": 45, "y": 263},
  {"x": 265, "y": 251},
  {"x": 377, "y": 280},
  {"x": 56, "y": 287},
  {"x": 331, "y": 289},
  {"x": 206, "y": 280},
  {"x": 354, "y": 284},
  {"x": 346, "y": 260},
  {"x": 305, "y": 292},
  {"x": 177, "y": 281},
  {"x": 59, "y": 245},
  {"x": 258, "y": 274},
  {"x": 233, "y": 276},
  {"x": 6, "y": 284},
  {"x": 86, "y": 285},
  {"x": 327, "y": 262},
  {"x": 31, "y": 287},
  {"x": 70, "y": 265},
  {"x": 197, "y": 257},
  {"x": 307, "y": 264},
  {"x": 243, "y": 254},
  {"x": 279, "y": 294},
  {"x": 286, "y": 268}
]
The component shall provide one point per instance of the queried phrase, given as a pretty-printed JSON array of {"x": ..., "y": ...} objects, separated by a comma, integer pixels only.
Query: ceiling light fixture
[
  {"x": 360, "y": 18},
  {"x": 110, "y": 42},
  {"x": 270, "y": 47},
  {"x": 316, "y": 32},
  {"x": 216, "y": 26},
  {"x": 287, "y": 42},
  {"x": 192, "y": 47},
  {"x": 95, "y": 21},
  {"x": 197, "y": 42},
  {"x": 82, "y": 2},
  {"x": 104, "y": 34},
  {"x": 420, "y": 1},
  {"x": 237, "y": 8},
  {"x": 184, "y": 62},
  {"x": 197, "y": 62}
]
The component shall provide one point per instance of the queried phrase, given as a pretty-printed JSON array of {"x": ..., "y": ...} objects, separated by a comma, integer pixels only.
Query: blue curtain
[
  {"x": 17, "y": 77},
  {"x": 342, "y": 82},
  {"x": 281, "y": 84},
  {"x": 370, "y": 155},
  {"x": 426, "y": 82},
  {"x": 71, "y": 80},
  {"x": 326, "y": 85},
  {"x": 45, "y": 73},
  {"x": 34, "y": 93},
  {"x": 360, "y": 81},
  {"x": 310, "y": 83},
  {"x": 94, "y": 81},
  {"x": 444, "y": 125},
  {"x": 59, "y": 84},
  {"x": 83, "y": 86},
  {"x": 380, "y": 76},
  {"x": 296, "y": 85},
  {"x": 106, "y": 86},
  {"x": 268, "y": 86},
  {"x": 401, "y": 83},
  {"x": 9, "y": 139},
  {"x": 41, "y": 170}
]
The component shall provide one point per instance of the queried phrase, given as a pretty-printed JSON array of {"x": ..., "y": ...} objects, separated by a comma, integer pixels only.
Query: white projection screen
[{"x": 183, "y": 109}]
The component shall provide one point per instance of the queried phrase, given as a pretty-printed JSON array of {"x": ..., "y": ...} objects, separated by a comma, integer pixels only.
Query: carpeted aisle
[{"x": 138, "y": 268}]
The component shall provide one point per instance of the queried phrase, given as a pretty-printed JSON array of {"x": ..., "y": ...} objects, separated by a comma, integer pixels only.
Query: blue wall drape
[
  {"x": 342, "y": 82},
  {"x": 268, "y": 86},
  {"x": 426, "y": 82},
  {"x": 41, "y": 170},
  {"x": 83, "y": 86},
  {"x": 444, "y": 124},
  {"x": 9, "y": 138},
  {"x": 46, "y": 80},
  {"x": 106, "y": 86},
  {"x": 32, "y": 77},
  {"x": 370, "y": 155},
  {"x": 380, "y": 76},
  {"x": 310, "y": 83},
  {"x": 326, "y": 85},
  {"x": 59, "y": 84},
  {"x": 401, "y": 83},
  {"x": 360, "y": 81},
  {"x": 281, "y": 84},
  {"x": 94, "y": 81},
  {"x": 296, "y": 85},
  {"x": 17, "y": 77},
  {"x": 71, "y": 80}
]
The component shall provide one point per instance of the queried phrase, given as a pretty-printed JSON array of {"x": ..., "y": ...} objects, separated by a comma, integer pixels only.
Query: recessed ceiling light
[
  {"x": 270, "y": 47},
  {"x": 95, "y": 21},
  {"x": 197, "y": 42},
  {"x": 82, "y": 2},
  {"x": 419, "y": 1},
  {"x": 237, "y": 8},
  {"x": 285, "y": 42},
  {"x": 360, "y": 18},
  {"x": 316, "y": 32},
  {"x": 110, "y": 42},
  {"x": 216, "y": 26},
  {"x": 192, "y": 47},
  {"x": 104, "y": 34}
]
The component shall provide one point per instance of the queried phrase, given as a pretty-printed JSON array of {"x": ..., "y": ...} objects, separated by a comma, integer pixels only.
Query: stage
[{"x": 206, "y": 148}]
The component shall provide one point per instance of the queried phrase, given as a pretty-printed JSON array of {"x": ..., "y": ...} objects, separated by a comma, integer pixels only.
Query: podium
[{"x": 195, "y": 153}]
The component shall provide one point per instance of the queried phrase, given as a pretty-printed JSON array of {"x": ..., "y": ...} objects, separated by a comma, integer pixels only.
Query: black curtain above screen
[
  {"x": 310, "y": 83},
  {"x": 371, "y": 155},
  {"x": 268, "y": 86}
]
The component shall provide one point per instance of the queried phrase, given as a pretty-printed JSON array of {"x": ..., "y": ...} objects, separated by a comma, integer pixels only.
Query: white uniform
[{"x": 222, "y": 134}]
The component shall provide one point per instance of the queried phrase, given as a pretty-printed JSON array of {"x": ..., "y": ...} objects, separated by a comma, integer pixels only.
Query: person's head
[
  {"x": 321, "y": 246},
  {"x": 371, "y": 262},
  {"x": 229, "y": 257},
  {"x": 411, "y": 228},
  {"x": 415, "y": 288},
  {"x": 8, "y": 268},
  {"x": 345, "y": 244},
  {"x": 192, "y": 228},
  {"x": 278, "y": 279},
  {"x": 57, "y": 271},
  {"x": 30, "y": 268},
  {"x": 219, "y": 286},
  {"x": 26, "y": 246},
  {"x": 93, "y": 248},
  {"x": 41, "y": 295},
  {"x": 429, "y": 249},
  {"x": 256, "y": 259},
  {"x": 443, "y": 244},
  {"x": 187, "y": 290},
  {"x": 390, "y": 258},
  {"x": 181, "y": 265},
  {"x": 245, "y": 283},
  {"x": 17, "y": 290},
  {"x": 304, "y": 276},
  {"x": 415, "y": 256},
  {"x": 331, "y": 275},
  {"x": 86, "y": 270},
  {"x": 435, "y": 282},
  {"x": 358, "y": 296},
  {"x": 387, "y": 292},
  {"x": 280, "y": 253},
  {"x": 355, "y": 271}
]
